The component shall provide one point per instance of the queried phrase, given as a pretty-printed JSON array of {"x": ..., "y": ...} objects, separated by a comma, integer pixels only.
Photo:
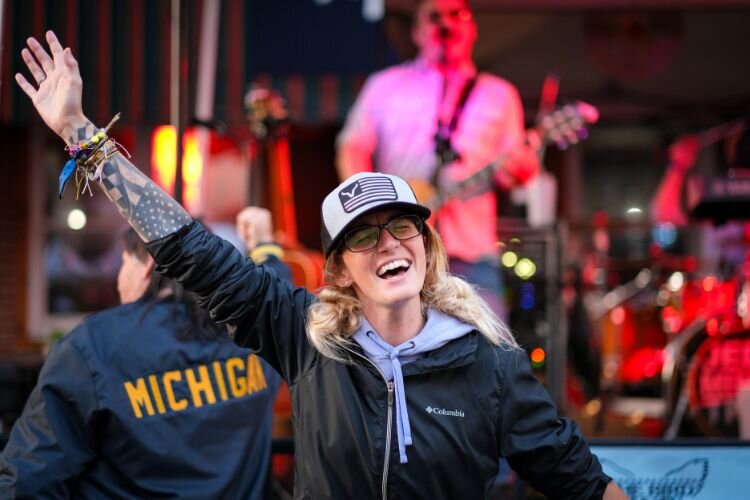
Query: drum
[
  {"x": 632, "y": 343},
  {"x": 704, "y": 367},
  {"x": 695, "y": 299}
]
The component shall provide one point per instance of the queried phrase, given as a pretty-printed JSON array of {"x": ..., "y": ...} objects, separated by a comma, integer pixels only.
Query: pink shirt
[{"x": 395, "y": 118}]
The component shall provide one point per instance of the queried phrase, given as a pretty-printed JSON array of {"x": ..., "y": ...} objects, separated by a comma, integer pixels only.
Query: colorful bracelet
[{"x": 87, "y": 159}]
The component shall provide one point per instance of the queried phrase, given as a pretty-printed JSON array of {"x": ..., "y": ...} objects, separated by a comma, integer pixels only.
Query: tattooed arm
[
  {"x": 147, "y": 208},
  {"x": 57, "y": 99}
]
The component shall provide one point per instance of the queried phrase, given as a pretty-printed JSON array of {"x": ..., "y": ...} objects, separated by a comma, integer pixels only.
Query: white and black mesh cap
[{"x": 362, "y": 194}]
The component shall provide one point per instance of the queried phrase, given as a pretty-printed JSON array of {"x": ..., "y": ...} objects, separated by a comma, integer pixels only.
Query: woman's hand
[{"x": 58, "y": 96}]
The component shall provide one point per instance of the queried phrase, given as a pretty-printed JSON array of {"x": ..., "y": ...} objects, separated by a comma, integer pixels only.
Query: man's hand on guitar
[
  {"x": 522, "y": 164},
  {"x": 564, "y": 127}
]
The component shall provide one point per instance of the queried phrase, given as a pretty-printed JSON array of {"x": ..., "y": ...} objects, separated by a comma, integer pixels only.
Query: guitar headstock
[
  {"x": 567, "y": 125},
  {"x": 266, "y": 112}
]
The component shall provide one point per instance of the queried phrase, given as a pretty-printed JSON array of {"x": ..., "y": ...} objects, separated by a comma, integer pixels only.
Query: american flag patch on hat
[{"x": 366, "y": 190}]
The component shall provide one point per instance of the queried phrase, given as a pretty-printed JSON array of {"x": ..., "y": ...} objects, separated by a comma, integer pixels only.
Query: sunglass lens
[
  {"x": 362, "y": 239},
  {"x": 404, "y": 227}
]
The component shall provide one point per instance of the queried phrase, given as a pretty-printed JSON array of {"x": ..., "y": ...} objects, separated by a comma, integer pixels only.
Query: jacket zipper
[
  {"x": 389, "y": 425},
  {"x": 387, "y": 461}
]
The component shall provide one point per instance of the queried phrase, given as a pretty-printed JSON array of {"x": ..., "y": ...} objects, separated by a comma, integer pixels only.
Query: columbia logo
[{"x": 443, "y": 411}]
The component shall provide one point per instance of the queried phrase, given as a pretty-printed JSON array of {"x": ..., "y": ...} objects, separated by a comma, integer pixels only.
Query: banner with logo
[{"x": 676, "y": 471}]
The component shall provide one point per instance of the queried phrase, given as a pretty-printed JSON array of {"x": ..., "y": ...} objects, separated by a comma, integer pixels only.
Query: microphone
[{"x": 444, "y": 35}]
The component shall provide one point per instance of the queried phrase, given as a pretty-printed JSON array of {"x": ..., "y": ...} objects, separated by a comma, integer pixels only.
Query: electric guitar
[{"x": 564, "y": 127}]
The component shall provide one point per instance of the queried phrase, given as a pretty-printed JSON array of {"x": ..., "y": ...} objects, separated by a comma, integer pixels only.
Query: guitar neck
[{"x": 565, "y": 126}]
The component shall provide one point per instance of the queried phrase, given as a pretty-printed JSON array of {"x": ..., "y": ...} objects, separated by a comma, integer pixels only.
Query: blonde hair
[{"x": 334, "y": 318}]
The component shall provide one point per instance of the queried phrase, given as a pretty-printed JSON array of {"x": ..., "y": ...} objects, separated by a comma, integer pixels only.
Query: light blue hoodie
[{"x": 438, "y": 331}]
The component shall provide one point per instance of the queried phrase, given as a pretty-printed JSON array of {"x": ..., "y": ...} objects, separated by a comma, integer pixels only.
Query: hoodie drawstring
[{"x": 403, "y": 429}]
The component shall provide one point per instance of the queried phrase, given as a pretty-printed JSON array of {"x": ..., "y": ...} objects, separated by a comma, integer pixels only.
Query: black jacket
[
  {"x": 123, "y": 409},
  {"x": 469, "y": 402}
]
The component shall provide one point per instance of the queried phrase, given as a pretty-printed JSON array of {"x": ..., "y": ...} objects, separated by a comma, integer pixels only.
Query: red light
[
  {"x": 600, "y": 219},
  {"x": 709, "y": 283},
  {"x": 617, "y": 315},
  {"x": 690, "y": 264},
  {"x": 712, "y": 327},
  {"x": 650, "y": 369},
  {"x": 538, "y": 355},
  {"x": 671, "y": 319}
]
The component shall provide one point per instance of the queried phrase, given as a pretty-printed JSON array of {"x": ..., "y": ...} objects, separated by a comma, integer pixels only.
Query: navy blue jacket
[
  {"x": 123, "y": 409},
  {"x": 469, "y": 402}
]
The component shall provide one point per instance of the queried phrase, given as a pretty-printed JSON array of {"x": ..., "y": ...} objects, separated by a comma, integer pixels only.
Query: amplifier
[{"x": 719, "y": 198}]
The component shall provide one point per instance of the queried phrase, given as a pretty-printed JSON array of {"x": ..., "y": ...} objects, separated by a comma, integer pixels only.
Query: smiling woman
[{"x": 403, "y": 382}]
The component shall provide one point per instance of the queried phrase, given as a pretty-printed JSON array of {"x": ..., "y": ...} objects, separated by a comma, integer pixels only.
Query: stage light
[
  {"x": 525, "y": 268},
  {"x": 527, "y": 301},
  {"x": 509, "y": 258},
  {"x": 538, "y": 358},
  {"x": 676, "y": 281},
  {"x": 527, "y": 296},
  {"x": 164, "y": 157},
  {"x": 593, "y": 407},
  {"x": 163, "y": 161},
  {"x": 76, "y": 219},
  {"x": 617, "y": 316},
  {"x": 192, "y": 172},
  {"x": 664, "y": 234},
  {"x": 709, "y": 283},
  {"x": 712, "y": 327}
]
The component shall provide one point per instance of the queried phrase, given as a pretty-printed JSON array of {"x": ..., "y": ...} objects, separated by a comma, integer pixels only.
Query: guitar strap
[{"x": 444, "y": 151}]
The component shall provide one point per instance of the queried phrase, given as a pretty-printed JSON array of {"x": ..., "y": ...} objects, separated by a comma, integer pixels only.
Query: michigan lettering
[{"x": 200, "y": 385}]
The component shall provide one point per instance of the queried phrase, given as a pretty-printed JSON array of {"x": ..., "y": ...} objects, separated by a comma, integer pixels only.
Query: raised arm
[
  {"x": 57, "y": 98},
  {"x": 666, "y": 204}
]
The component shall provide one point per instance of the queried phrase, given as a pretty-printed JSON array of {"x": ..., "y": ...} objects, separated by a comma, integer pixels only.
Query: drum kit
[
  {"x": 683, "y": 339},
  {"x": 707, "y": 361}
]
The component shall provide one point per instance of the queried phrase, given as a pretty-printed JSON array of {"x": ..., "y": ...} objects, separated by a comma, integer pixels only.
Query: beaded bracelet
[{"x": 87, "y": 159}]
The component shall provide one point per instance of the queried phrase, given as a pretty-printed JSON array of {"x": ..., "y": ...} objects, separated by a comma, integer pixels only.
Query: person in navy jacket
[{"x": 146, "y": 400}]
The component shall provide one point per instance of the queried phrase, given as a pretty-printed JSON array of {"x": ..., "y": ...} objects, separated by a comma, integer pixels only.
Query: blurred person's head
[
  {"x": 136, "y": 271},
  {"x": 138, "y": 280},
  {"x": 445, "y": 32}
]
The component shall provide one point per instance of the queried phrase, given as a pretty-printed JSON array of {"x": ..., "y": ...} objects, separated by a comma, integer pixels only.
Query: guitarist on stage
[{"x": 436, "y": 121}]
